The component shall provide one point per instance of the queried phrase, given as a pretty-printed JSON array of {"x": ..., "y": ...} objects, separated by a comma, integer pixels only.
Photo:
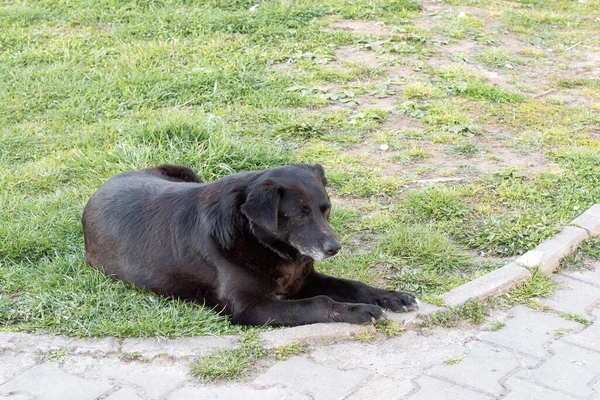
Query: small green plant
[
  {"x": 365, "y": 337},
  {"x": 576, "y": 317},
  {"x": 61, "y": 355},
  {"x": 287, "y": 351},
  {"x": 560, "y": 333},
  {"x": 230, "y": 363},
  {"x": 133, "y": 356},
  {"x": 464, "y": 148},
  {"x": 455, "y": 360},
  {"x": 419, "y": 90},
  {"x": 435, "y": 203},
  {"x": 388, "y": 327},
  {"x": 497, "y": 325},
  {"x": 471, "y": 312},
  {"x": 527, "y": 292}
]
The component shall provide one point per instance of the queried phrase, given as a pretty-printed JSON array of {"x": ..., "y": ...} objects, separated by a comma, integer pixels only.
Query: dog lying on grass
[{"x": 245, "y": 244}]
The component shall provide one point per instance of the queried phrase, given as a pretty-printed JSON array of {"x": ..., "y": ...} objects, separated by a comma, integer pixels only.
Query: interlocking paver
[
  {"x": 48, "y": 382},
  {"x": 125, "y": 393},
  {"x": 382, "y": 387},
  {"x": 308, "y": 377},
  {"x": 403, "y": 356},
  {"x": 574, "y": 297},
  {"x": 435, "y": 389},
  {"x": 528, "y": 331},
  {"x": 230, "y": 392},
  {"x": 11, "y": 364},
  {"x": 525, "y": 390},
  {"x": 482, "y": 368},
  {"x": 178, "y": 347},
  {"x": 590, "y": 276},
  {"x": 571, "y": 369},
  {"x": 590, "y": 336},
  {"x": 154, "y": 379}
]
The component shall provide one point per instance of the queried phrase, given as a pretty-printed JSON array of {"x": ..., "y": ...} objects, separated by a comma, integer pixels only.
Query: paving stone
[
  {"x": 318, "y": 381},
  {"x": 575, "y": 297},
  {"x": 490, "y": 284},
  {"x": 125, "y": 393},
  {"x": 95, "y": 347},
  {"x": 311, "y": 333},
  {"x": 547, "y": 255},
  {"x": 179, "y": 347},
  {"x": 482, "y": 368},
  {"x": 154, "y": 379},
  {"x": 524, "y": 390},
  {"x": 47, "y": 381},
  {"x": 589, "y": 220},
  {"x": 11, "y": 364},
  {"x": 407, "y": 355},
  {"x": 528, "y": 331},
  {"x": 16, "y": 397},
  {"x": 5, "y": 342},
  {"x": 382, "y": 387},
  {"x": 410, "y": 319},
  {"x": 231, "y": 392},
  {"x": 590, "y": 276},
  {"x": 435, "y": 389},
  {"x": 571, "y": 369},
  {"x": 590, "y": 336},
  {"x": 26, "y": 342}
]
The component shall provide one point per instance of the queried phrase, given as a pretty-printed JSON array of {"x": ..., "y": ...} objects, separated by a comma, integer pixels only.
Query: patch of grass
[
  {"x": 435, "y": 203},
  {"x": 463, "y": 148},
  {"x": 527, "y": 292},
  {"x": 577, "y": 318},
  {"x": 287, "y": 351},
  {"x": 419, "y": 90},
  {"x": 59, "y": 356},
  {"x": 365, "y": 337},
  {"x": 229, "y": 364},
  {"x": 497, "y": 325},
  {"x": 455, "y": 360},
  {"x": 471, "y": 312},
  {"x": 388, "y": 327},
  {"x": 495, "y": 57},
  {"x": 588, "y": 249}
]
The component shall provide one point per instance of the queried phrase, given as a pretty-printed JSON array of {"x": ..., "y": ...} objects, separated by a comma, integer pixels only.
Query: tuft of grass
[
  {"x": 229, "y": 364},
  {"x": 435, "y": 203},
  {"x": 527, "y": 292},
  {"x": 497, "y": 325},
  {"x": 287, "y": 351},
  {"x": 471, "y": 312},
  {"x": 455, "y": 360},
  {"x": 388, "y": 327},
  {"x": 577, "y": 318},
  {"x": 419, "y": 90},
  {"x": 365, "y": 337},
  {"x": 464, "y": 148}
]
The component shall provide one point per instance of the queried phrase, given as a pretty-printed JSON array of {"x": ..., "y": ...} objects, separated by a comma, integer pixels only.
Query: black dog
[{"x": 245, "y": 244}]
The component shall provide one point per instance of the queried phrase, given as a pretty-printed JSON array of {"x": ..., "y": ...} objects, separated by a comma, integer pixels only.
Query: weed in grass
[
  {"x": 455, "y": 360},
  {"x": 388, "y": 327},
  {"x": 577, "y": 318},
  {"x": 287, "y": 351}
]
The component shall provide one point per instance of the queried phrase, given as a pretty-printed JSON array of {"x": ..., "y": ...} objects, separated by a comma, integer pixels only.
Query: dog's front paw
[
  {"x": 357, "y": 313},
  {"x": 397, "y": 301}
]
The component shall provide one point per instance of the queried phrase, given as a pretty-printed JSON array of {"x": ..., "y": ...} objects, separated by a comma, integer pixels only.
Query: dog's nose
[{"x": 332, "y": 247}]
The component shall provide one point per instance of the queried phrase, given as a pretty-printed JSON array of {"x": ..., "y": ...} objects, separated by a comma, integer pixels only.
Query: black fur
[{"x": 245, "y": 244}]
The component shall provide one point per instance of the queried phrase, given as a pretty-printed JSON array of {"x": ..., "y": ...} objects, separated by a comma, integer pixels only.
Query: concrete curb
[{"x": 545, "y": 257}]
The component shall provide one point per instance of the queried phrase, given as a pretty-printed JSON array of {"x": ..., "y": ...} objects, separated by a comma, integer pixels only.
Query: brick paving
[{"x": 536, "y": 355}]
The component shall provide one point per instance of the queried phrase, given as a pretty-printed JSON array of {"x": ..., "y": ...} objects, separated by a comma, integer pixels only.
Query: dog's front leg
[
  {"x": 253, "y": 311},
  {"x": 347, "y": 291}
]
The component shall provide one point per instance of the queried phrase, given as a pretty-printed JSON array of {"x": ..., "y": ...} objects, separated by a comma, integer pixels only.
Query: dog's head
[{"x": 290, "y": 204}]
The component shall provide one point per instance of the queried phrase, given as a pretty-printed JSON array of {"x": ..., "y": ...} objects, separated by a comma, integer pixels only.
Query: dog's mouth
[{"x": 313, "y": 252}]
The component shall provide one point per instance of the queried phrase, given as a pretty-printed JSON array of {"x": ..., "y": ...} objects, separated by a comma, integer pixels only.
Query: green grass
[
  {"x": 229, "y": 364},
  {"x": 287, "y": 351},
  {"x": 91, "y": 89}
]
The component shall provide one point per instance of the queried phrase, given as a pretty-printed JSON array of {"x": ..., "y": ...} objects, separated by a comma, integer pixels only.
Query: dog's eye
[
  {"x": 326, "y": 210},
  {"x": 304, "y": 212}
]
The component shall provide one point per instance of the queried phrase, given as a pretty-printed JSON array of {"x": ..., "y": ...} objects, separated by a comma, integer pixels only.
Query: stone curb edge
[{"x": 546, "y": 257}]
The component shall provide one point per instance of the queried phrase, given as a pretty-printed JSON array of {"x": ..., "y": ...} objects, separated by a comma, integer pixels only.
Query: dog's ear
[
  {"x": 320, "y": 171},
  {"x": 262, "y": 204}
]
